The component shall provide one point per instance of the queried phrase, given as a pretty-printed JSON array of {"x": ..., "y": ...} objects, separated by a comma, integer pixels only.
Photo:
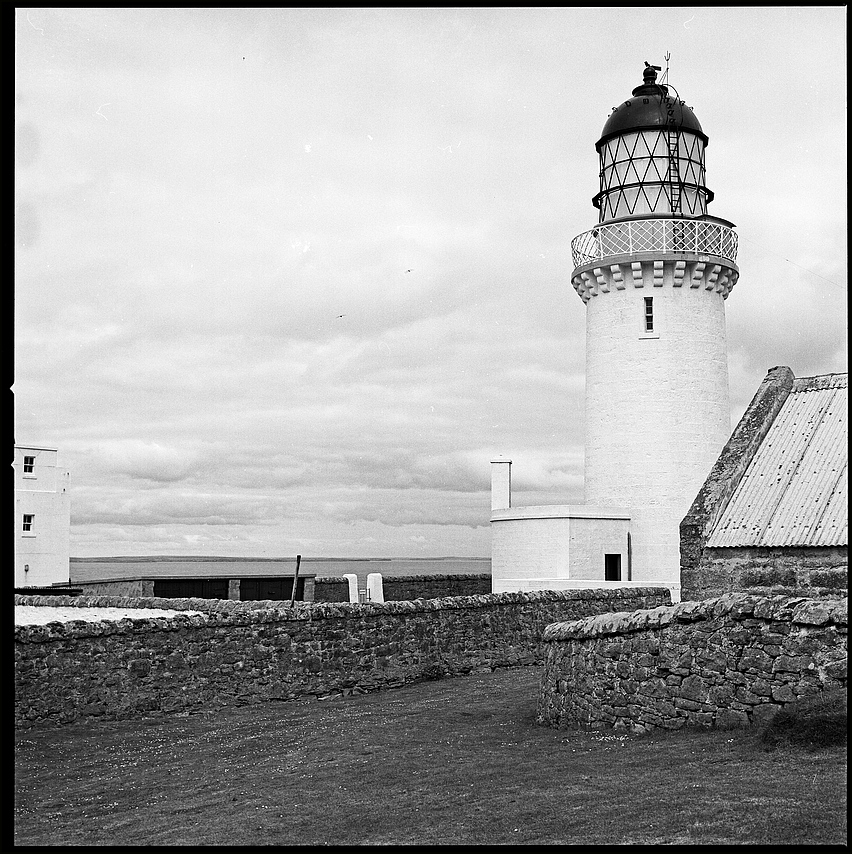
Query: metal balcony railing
[{"x": 654, "y": 235}]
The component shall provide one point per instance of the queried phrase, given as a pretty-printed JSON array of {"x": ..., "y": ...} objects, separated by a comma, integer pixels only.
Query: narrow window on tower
[
  {"x": 649, "y": 314},
  {"x": 29, "y": 522}
]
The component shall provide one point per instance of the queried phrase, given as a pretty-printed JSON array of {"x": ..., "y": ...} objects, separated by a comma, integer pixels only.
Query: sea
[{"x": 168, "y": 566}]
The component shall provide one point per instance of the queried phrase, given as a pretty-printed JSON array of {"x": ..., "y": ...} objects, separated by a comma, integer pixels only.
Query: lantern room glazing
[{"x": 652, "y": 157}]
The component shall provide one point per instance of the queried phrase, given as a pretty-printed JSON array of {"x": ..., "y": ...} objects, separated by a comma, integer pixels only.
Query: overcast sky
[{"x": 287, "y": 280}]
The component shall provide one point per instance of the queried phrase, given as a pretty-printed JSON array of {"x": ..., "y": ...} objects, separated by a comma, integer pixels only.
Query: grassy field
[{"x": 449, "y": 761}]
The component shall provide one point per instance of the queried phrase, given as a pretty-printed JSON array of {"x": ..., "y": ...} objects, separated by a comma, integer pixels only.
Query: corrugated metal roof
[{"x": 794, "y": 491}]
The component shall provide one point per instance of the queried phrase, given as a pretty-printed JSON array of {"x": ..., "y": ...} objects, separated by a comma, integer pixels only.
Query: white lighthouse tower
[{"x": 654, "y": 275}]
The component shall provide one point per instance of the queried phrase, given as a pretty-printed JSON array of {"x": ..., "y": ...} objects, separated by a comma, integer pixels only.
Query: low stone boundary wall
[
  {"x": 724, "y": 662},
  {"x": 331, "y": 588},
  {"x": 248, "y": 652},
  {"x": 228, "y": 588},
  {"x": 407, "y": 587},
  {"x": 118, "y": 587},
  {"x": 322, "y": 588}
]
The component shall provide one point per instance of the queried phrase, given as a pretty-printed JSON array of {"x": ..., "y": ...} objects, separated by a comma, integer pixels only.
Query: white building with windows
[
  {"x": 42, "y": 518},
  {"x": 654, "y": 274}
]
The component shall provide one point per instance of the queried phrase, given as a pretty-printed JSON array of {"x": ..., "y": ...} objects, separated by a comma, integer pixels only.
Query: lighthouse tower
[{"x": 654, "y": 275}]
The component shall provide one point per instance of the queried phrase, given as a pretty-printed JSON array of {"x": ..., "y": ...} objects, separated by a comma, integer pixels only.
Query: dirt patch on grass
[{"x": 448, "y": 761}]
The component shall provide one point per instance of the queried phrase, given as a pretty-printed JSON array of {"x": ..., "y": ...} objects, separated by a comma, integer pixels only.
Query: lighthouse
[{"x": 654, "y": 274}]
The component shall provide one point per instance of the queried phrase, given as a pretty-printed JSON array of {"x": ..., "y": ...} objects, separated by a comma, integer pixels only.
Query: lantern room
[{"x": 652, "y": 157}]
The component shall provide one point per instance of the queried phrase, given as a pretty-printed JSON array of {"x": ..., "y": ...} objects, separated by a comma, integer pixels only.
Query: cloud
[
  {"x": 146, "y": 460},
  {"x": 238, "y": 345}
]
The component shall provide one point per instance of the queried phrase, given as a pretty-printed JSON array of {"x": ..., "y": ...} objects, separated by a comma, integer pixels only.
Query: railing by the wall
[{"x": 654, "y": 235}]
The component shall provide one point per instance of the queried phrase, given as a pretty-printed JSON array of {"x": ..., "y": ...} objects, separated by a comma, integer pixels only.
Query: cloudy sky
[{"x": 287, "y": 280}]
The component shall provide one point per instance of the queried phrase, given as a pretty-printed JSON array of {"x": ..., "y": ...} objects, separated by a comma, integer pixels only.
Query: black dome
[{"x": 648, "y": 109}]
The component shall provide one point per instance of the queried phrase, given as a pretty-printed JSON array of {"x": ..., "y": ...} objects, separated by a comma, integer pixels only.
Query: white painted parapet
[
  {"x": 353, "y": 586},
  {"x": 501, "y": 484},
  {"x": 375, "y": 591}
]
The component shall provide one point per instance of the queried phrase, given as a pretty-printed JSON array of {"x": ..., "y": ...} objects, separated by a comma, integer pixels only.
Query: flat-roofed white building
[{"x": 42, "y": 518}]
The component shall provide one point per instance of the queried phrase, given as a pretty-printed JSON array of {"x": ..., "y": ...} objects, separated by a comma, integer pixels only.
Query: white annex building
[
  {"x": 42, "y": 518},
  {"x": 654, "y": 275}
]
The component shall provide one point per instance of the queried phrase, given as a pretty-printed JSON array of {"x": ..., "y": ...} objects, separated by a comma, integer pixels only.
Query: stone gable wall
[
  {"x": 727, "y": 662},
  {"x": 248, "y": 652}
]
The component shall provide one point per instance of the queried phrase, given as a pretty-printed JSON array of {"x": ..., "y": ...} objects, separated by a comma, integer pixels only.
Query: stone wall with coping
[
  {"x": 250, "y": 652},
  {"x": 727, "y": 662}
]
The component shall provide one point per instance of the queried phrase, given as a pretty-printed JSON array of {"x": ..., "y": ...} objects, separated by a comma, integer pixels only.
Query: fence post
[{"x": 295, "y": 580}]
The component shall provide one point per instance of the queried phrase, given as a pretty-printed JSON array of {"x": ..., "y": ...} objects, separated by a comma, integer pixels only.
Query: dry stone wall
[
  {"x": 407, "y": 587},
  {"x": 400, "y": 588},
  {"x": 249, "y": 652},
  {"x": 331, "y": 588},
  {"x": 327, "y": 588},
  {"x": 726, "y": 662}
]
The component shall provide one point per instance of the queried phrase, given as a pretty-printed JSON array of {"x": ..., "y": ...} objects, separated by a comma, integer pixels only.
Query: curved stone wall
[
  {"x": 248, "y": 652},
  {"x": 727, "y": 662}
]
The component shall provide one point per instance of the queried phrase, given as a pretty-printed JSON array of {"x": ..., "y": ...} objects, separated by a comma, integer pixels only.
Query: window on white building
[
  {"x": 29, "y": 465},
  {"x": 29, "y": 523}
]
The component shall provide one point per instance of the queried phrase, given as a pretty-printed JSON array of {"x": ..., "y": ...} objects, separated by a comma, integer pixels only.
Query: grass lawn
[{"x": 450, "y": 761}]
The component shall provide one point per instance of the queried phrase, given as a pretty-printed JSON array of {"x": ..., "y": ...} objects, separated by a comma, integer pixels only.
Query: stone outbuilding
[{"x": 772, "y": 514}]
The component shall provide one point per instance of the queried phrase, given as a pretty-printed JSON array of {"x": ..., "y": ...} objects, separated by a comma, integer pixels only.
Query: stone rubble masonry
[
  {"x": 407, "y": 587},
  {"x": 730, "y": 661},
  {"x": 331, "y": 588},
  {"x": 326, "y": 588},
  {"x": 250, "y": 652}
]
